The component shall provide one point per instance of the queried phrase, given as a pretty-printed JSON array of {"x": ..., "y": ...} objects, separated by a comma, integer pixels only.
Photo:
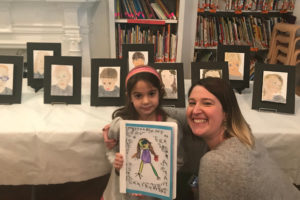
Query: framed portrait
[
  {"x": 238, "y": 58},
  {"x": 202, "y": 70},
  {"x": 36, "y": 53},
  {"x": 11, "y": 77},
  {"x": 274, "y": 88},
  {"x": 107, "y": 82},
  {"x": 62, "y": 80},
  {"x": 137, "y": 54},
  {"x": 173, "y": 81}
]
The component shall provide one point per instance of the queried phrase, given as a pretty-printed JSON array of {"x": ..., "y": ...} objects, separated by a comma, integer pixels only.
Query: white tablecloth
[
  {"x": 46, "y": 144},
  {"x": 50, "y": 144}
]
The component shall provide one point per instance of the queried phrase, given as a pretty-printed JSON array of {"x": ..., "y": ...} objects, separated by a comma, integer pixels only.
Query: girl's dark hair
[
  {"x": 128, "y": 111},
  {"x": 236, "y": 124}
]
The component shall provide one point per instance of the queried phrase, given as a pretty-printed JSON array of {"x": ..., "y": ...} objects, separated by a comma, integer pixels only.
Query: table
[{"x": 50, "y": 144}]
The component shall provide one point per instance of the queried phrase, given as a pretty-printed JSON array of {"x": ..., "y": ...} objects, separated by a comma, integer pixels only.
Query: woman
[{"x": 237, "y": 166}]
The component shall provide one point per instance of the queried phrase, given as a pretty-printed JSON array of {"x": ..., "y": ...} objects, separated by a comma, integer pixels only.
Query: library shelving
[
  {"x": 233, "y": 22},
  {"x": 138, "y": 22}
]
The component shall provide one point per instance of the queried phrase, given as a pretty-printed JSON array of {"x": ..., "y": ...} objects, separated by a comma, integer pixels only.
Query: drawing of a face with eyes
[
  {"x": 272, "y": 88},
  {"x": 5, "y": 82},
  {"x": 108, "y": 79},
  {"x": 62, "y": 77},
  {"x": 217, "y": 73},
  {"x": 235, "y": 65},
  {"x": 137, "y": 58},
  {"x": 39, "y": 62},
  {"x": 169, "y": 79}
]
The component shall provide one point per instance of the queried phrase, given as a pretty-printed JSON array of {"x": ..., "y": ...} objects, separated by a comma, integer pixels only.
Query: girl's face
[
  {"x": 145, "y": 99},
  {"x": 204, "y": 113},
  {"x": 167, "y": 77}
]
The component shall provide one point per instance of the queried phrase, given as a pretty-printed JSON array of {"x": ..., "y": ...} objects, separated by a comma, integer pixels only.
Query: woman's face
[{"x": 204, "y": 113}]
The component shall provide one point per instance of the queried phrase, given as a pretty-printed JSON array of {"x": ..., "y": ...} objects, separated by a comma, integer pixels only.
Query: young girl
[{"x": 144, "y": 92}]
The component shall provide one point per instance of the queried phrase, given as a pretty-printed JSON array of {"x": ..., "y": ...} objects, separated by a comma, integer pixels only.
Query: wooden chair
[{"x": 283, "y": 33}]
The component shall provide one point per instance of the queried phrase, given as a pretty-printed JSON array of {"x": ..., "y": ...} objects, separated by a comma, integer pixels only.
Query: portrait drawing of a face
[
  {"x": 39, "y": 62},
  {"x": 169, "y": 79},
  {"x": 274, "y": 88},
  {"x": 109, "y": 81},
  {"x": 235, "y": 65},
  {"x": 204, "y": 73},
  {"x": 136, "y": 58},
  {"x": 62, "y": 80},
  {"x": 6, "y": 78}
]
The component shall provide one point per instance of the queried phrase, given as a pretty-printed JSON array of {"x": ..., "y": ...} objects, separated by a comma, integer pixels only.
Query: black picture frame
[
  {"x": 11, "y": 94},
  {"x": 129, "y": 49},
  {"x": 283, "y": 105},
  {"x": 72, "y": 93},
  {"x": 196, "y": 68},
  {"x": 178, "y": 67},
  {"x": 241, "y": 80},
  {"x": 34, "y": 48},
  {"x": 98, "y": 66}
]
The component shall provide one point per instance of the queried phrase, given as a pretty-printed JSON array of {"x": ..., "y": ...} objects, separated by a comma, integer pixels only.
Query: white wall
[{"x": 99, "y": 31}]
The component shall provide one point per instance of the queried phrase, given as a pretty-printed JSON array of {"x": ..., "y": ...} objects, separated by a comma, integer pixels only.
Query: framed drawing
[
  {"x": 150, "y": 158},
  {"x": 107, "y": 82},
  {"x": 274, "y": 88},
  {"x": 238, "y": 64},
  {"x": 137, "y": 54},
  {"x": 202, "y": 70},
  {"x": 62, "y": 81},
  {"x": 173, "y": 81},
  {"x": 36, "y": 53},
  {"x": 11, "y": 77}
]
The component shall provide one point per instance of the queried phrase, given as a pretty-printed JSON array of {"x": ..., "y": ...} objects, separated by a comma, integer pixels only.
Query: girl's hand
[
  {"x": 156, "y": 158},
  {"x": 110, "y": 143},
  {"x": 118, "y": 163}
]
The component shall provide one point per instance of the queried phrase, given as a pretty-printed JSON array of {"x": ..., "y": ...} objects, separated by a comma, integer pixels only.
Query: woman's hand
[
  {"x": 118, "y": 163},
  {"x": 110, "y": 143}
]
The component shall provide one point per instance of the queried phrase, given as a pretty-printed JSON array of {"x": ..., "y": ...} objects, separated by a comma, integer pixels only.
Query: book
[
  {"x": 159, "y": 13},
  {"x": 149, "y": 164},
  {"x": 173, "y": 48}
]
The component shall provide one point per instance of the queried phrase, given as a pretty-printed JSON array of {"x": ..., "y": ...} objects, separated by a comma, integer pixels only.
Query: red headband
[{"x": 140, "y": 69}]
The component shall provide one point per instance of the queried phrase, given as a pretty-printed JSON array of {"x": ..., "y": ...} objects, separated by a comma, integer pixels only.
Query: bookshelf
[
  {"x": 153, "y": 26},
  {"x": 236, "y": 24}
]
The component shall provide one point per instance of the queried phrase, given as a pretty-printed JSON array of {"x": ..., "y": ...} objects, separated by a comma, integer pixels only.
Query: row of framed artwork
[{"x": 274, "y": 85}]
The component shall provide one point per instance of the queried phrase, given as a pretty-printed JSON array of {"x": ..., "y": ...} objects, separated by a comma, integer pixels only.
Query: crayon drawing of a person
[
  {"x": 217, "y": 73},
  {"x": 272, "y": 88},
  {"x": 39, "y": 63},
  {"x": 235, "y": 65},
  {"x": 62, "y": 80},
  {"x": 108, "y": 79},
  {"x": 169, "y": 79},
  {"x": 144, "y": 146},
  {"x": 5, "y": 87},
  {"x": 137, "y": 58}
]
